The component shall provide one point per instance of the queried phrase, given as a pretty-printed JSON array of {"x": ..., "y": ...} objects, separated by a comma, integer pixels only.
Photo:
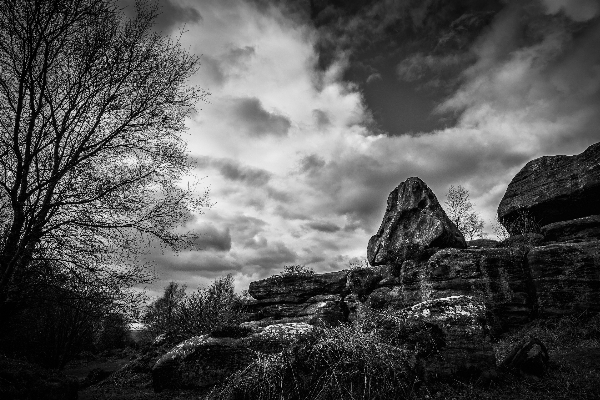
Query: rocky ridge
[{"x": 422, "y": 266}]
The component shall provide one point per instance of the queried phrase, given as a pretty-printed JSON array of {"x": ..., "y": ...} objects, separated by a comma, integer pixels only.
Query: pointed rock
[{"x": 414, "y": 223}]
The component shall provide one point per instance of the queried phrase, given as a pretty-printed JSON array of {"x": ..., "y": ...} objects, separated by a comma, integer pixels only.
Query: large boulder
[
  {"x": 297, "y": 288},
  {"x": 467, "y": 352},
  {"x": 566, "y": 277},
  {"x": 414, "y": 224},
  {"x": 553, "y": 188},
  {"x": 202, "y": 362}
]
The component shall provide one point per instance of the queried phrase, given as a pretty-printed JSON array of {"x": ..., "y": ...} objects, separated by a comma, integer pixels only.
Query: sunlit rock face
[
  {"x": 414, "y": 226},
  {"x": 552, "y": 189}
]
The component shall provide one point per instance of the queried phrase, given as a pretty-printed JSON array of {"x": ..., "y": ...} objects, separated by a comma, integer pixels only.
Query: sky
[{"x": 319, "y": 109}]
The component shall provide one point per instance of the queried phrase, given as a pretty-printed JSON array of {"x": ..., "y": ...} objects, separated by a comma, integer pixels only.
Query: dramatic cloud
[
  {"x": 257, "y": 121},
  {"x": 234, "y": 171},
  {"x": 316, "y": 114},
  {"x": 323, "y": 226},
  {"x": 211, "y": 238},
  {"x": 171, "y": 14}
]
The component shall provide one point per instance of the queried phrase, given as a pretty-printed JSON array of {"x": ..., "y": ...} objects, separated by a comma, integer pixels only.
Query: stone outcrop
[
  {"x": 296, "y": 288},
  {"x": 554, "y": 188},
  {"x": 575, "y": 230},
  {"x": 312, "y": 298},
  {"x": 467, "y": 351},
  {"x": 422, "y": 267},
  {"x": 204, "y": 361},
  {"x": 566, "y": 277},
  {"x": 497, "y": 275},
  {"x": 529, "y": 357},
  {"x": 414, "y": 225}
]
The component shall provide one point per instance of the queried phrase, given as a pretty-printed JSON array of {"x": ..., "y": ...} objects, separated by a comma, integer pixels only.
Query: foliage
[
  {"x": 90, "y": 148},
  {"x": 64, "y": 315},
  {"x": 499, "y": 230},
  {"x": 181, "y": 316},
  {"x": 460, "y": 211},
  {"x": 358, "y": 263},
  {"x": 524, "y": 222},
  {"x": 374, "y": 357},
  {"x": 297, "y": 270}
]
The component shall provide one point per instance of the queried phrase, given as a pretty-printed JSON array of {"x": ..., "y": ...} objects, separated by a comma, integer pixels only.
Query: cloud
[
  {"x": 271, "y": 258},
  {"x": 257, "y": 121},
  {"x": 578, "y": 10},
  {"x": 171, "y": 14},
  {"x": 234, "y": 171},
  {"x": 321, "y": 119},
  {"x": 323, "y": 226},
  {"x": 210, "y": 238}
]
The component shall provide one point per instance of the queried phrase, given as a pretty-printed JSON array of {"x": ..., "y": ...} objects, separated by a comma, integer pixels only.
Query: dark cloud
[
  {"x": 271, "y": 258},
  {"x": 286, "y": 213},
  {"x": 234, "y": 171},
  {"x": 323, "y": 226},
  {"x": 321, "y": 119},
  {"x": 171, "y": 14},
  {"x": 208, "y": 237},
  {"x": 256, "y": 121},
  {"x": 311, "y": 164}
]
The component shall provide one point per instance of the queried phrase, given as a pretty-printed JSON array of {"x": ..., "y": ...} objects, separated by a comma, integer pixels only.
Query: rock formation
[
  {"x": 552, "y": 189},
  {"x": 421, "y": 266},
  {"x": 414, "y": 225},
  {"x": 203, "y": 361}
]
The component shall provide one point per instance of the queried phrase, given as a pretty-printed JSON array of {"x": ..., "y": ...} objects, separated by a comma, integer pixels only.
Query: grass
[{"x": 374, "y": 358}]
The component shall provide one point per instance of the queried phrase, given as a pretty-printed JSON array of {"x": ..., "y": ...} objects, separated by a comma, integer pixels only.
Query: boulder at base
[
  {"x": 553, "y": 188},
  {"x": 204, "y": 361},
  {"x": 468, "y": 351},
  {"x": 414, "y": 224}
]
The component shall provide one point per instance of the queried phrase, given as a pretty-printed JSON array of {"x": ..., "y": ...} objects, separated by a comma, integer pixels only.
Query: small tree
[{"x": 460, "y": 211}]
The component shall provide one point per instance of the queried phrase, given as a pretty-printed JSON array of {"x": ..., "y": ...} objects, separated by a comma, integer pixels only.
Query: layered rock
[
  {"x": 552, "y": 189},
  {"x": 312, "y": 298},
  {"x": 566, "y": 277},
  {"x": 467, "y": 350},
  {"x": 414, "y": 225},
  {"x": 499, "y": 276},
  {"x": 576, "y": 230}
]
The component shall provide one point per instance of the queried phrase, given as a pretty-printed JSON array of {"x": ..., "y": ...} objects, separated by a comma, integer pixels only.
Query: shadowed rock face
[
  {"x": 554, "y": 188},
  {"x": 413, "y": 225}
]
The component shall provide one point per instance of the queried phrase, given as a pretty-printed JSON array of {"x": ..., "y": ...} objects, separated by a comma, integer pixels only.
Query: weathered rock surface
[
  {"x": 414, "y": 224},
  {"x": 566, "y": 277},
  {"x": 317, "y": 310},
  {"x": 499, "y": 276},
  {"x": 554, "y": 188},
  {"x": 468, "y": 351},
  {"x": 528, "y": 358},
  {"x": 204, "y": 361},
  {"x": 580, "y": 229},
  {"x": 296, "y": 288}
]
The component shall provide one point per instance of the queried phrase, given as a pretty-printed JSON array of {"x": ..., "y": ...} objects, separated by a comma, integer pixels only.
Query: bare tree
[
  {"x": 92, "y": 104},
  {"x": 460, "y": 211}
]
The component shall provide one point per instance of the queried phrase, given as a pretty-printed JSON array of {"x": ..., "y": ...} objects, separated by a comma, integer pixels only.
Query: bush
[
  {"x": 375, "y": 357},
  {"x": 297, "y": 270},
  {"x": 181, "y": 316}
]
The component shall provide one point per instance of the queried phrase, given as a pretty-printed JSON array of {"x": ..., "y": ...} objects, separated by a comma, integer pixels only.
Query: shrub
[
  {"x": 297, "y": 270},
  {"x": 374, "y": 357},
  {"x": 182, "y": 315}
]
